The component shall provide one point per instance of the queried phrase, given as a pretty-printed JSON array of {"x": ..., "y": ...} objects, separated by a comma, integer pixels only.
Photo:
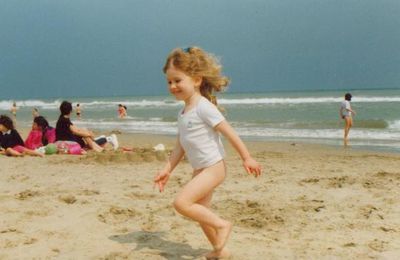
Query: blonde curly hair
[{"x": 195, "y": 62}]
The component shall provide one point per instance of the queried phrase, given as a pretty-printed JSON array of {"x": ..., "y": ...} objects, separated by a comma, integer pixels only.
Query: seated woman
[
  {"x": 41, "y": 135},
  {"x": 67, "y": 131},
  {"x": 11, "y": 142}
]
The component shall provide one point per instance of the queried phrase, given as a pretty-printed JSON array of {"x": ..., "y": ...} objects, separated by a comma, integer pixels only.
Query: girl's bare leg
[
  {"x": 92, "y": 144},
  {"x": 186, "y": 203},
  {"x": 210, "y": 232},
  {"x": 32, "y": 152},
  {"x": 12, "y": 152}
]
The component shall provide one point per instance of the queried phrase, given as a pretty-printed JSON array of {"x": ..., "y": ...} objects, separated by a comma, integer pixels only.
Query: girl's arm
[
  {"x": 80, "y": 132},
  {"x": 173, "y": 160},
  {"x": 251, "y": 166},
  {"x": 175, "y": 157}
]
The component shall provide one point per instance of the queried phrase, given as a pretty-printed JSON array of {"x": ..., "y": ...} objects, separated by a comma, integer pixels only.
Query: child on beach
[
  {"x": 67, "y": 131},
  {"x": 41, "y": 134},
  {"x": 346, "y": 113},
  {"x": 11, "y": 142},
  {"x": 193, "y": 75}
]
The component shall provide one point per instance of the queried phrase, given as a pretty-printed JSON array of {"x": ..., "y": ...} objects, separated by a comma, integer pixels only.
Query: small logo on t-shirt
[{"x": 190, "y": 124}]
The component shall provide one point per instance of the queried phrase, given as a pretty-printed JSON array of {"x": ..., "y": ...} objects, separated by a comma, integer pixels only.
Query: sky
[{"x": 92, "y": 48}]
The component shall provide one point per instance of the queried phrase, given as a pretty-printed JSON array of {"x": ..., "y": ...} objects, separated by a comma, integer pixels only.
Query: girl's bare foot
[
  {"x": 215, "y": 255},
  {"x": 222, "y": 236}
]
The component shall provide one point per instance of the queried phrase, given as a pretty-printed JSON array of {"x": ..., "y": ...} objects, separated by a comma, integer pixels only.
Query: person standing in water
[
  {"x": 346, "y": 113},
  {"x": 122, "y": 111},
  {"x": 35, "y": 112},
  {"x": 78, "y": 111},
  {"x": 13, "y": 111}
]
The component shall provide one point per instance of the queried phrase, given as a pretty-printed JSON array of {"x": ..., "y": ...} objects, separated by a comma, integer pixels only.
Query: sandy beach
[{"x": 312, "y": 202}]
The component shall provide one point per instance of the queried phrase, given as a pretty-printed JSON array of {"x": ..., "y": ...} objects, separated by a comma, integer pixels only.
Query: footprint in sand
[
  {"x": 382, "y": 180},
  {"x": 350, "y": 244},
  {"x": 310, "y": 205},
  {"x": 89, "y": 192},
  {"x": 9, "y": 230},
  {"x": 378, "y": 245},
  {"x": 117, "y": 215},
  {"x": 69, "y": 199},
  {"x": 370, "y": 211},
  {"x": 37, "y": 213},
  {"x": 333, "y": 182},
  {"x": 339, "y": 182},
  {"x": 250, "y": 214},
  {"x": 19, "y": 242},
  {"x": 140, "y": 196},
  {"x": 115, "y": 256},
  {"x": 18, "y": 177},
  {"x": 27, "y": 194},
  {"x": 309, "y": 180}
]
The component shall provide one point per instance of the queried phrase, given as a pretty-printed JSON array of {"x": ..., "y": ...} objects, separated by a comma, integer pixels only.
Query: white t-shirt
[
  {"x": 197, "y": 136},
  {"x": 343, "y": 108}
]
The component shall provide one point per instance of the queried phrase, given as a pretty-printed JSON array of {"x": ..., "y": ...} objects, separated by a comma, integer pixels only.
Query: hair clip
[{"x": 187, "y": 50}]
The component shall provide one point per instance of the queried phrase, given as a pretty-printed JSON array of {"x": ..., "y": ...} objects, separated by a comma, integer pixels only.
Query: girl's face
[
  {"x": 182, "y": 86},
  {"x": 35, "y": 126},
  {"x": 3, "y": 128}
]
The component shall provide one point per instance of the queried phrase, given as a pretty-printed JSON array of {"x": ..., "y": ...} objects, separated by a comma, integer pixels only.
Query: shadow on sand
[{"x": 153, "y": 240}]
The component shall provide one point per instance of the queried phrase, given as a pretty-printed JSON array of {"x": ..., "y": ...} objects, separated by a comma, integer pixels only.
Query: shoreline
[{"x": 127, "y": 136}]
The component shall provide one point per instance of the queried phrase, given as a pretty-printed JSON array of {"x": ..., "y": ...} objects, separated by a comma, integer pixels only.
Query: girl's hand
[
  {"x": 252, "y": 167},
  {"x": 161, "y": 180}
]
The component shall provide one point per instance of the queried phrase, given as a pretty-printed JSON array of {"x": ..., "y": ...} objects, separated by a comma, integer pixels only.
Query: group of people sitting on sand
[{"x": 44, "y": 139}]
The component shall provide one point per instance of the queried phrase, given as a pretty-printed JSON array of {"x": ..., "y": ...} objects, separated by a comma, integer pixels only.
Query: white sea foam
[
  {"x": 394, "y": 125},
  {"x": 303, "y": 100},
  {"x": 171, "y": 128},
  {"x": 6, "y": 104},
  {"x": 132, "y": 126},
  {"x": 139, "y": 103},
  {"x": 319, "y": 133}
]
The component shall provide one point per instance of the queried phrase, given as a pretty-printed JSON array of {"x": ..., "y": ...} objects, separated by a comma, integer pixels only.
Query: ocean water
[{"x": 308, "y": 116}]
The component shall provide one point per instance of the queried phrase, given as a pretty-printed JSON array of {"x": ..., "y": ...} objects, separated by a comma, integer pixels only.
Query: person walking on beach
[
  {"x": 193, "y": 75},
  {"x": 346, "y": 113}
]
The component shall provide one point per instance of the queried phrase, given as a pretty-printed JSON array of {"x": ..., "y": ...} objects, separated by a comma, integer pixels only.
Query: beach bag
[
  {"x": 69, "y": 147},
  {"x": 34, "y": 140}
]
